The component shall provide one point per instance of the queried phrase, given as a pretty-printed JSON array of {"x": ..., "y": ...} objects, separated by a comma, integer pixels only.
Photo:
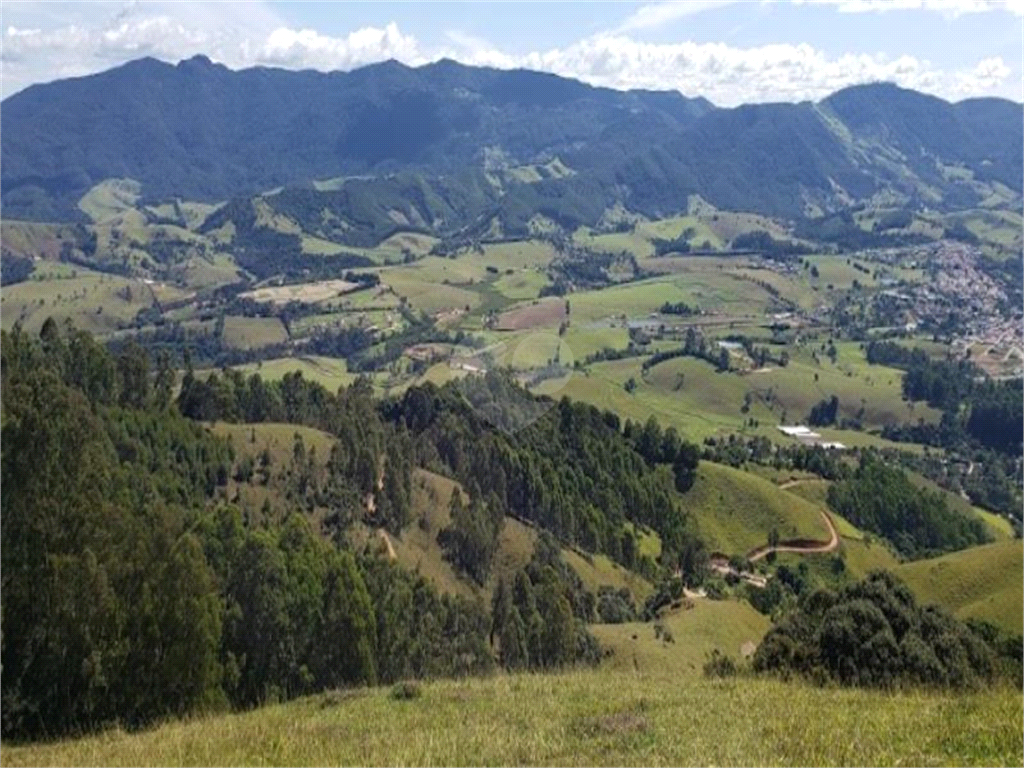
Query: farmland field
[
  {"x": 545, "y": 313},
  {"x": 329, "y": 371},
  {"x": 307, "y": 292},
  {"x": 250, "y": 332}
]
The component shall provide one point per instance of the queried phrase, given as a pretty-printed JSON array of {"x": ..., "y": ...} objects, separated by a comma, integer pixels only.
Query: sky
[{"x": 728, "y": 51}]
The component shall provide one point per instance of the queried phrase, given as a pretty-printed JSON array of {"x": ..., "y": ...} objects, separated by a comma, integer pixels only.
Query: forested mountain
[{"x": 444, "y": 124}]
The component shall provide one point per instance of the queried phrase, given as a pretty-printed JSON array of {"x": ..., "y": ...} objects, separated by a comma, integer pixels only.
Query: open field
[
  {"x": 34, "y": 239},
  {"x": 328, "y": 371},
  {"x": 982, "y": 582},
  {"x": 598, "y": 717},
  {"x": 791, "y": 390},
  {"x": 711, "y": 291},
  {"x": 543, "y": 313},
  {"x": 417, "y": 548},
  {"x": 709, "y": 403},
  {"x": 603, "y": 385},
  {"x": 95, "y": 302},
  {"x": 597, "y": 571},
  {"x": 306, "y": 292},
  {"x": 424, "y": 291},
  {"x": 736, "y": 510},
  {"x": 110, "y": 198},
  {"x": 704, "y": 227},
  {"x": 207, "y": 272},
  {"x": 278, "y": 439},
  {"x": 251, "y": 332},
  {"x": 698, "y": 627},
  {"x": 866, "y": 555},
  {"x": 521, "y": 285}
]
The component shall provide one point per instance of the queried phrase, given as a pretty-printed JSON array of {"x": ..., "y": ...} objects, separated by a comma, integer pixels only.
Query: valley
[{"x": 660, "y": 456}]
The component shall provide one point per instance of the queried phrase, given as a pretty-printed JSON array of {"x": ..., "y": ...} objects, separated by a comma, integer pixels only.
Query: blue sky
[{"x": 729, "y": 52}]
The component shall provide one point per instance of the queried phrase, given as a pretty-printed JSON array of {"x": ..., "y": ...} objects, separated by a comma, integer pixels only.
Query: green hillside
[
  {"x": 697, "y": 628},
  {"x": 981, "y": 582},
  {"x": 736, "y": 510}
]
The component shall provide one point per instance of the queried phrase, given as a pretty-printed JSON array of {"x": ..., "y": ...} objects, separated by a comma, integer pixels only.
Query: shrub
[
  {"x": 873, "y": 634},
  {"x": 407, "y": 689},
  {"x": 719, "y": 665}
]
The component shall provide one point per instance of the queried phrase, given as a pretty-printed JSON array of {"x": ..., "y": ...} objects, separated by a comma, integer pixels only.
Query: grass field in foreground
[{"x": 580, "y": 718}]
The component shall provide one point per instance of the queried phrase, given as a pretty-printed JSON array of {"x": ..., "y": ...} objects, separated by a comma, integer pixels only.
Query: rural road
[{"x": 802, "y": 548}]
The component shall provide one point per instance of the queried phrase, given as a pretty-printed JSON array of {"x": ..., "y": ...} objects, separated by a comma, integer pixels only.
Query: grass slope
[
  {"x": 331, "y": 372},
  {"x": 736, "y": 510},
  {"x": 252, "y": 332},
  {"x": 278, "y": 439},
  {"x": 726, "y": 625},
  {"x": 580, "y": 718},
  {"x": 981, "y": 582}
]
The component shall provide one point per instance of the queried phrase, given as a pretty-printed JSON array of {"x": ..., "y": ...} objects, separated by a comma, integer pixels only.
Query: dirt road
[{"x": 801, "y": 546}]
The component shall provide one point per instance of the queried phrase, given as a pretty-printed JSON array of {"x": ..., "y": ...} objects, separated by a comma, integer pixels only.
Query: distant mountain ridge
[{"x": 198, "y": 130}]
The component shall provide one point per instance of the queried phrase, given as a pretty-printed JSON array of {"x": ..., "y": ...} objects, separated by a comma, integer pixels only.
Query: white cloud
[
  {"x": 657, "y": 14},
  {"x": 729, "y": 75},
  {"x": 308, "y": 48},
  {"x": 948, "y": 8}
]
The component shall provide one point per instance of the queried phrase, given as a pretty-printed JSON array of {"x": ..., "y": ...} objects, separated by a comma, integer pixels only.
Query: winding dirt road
[{"x": 801, "y": 546}]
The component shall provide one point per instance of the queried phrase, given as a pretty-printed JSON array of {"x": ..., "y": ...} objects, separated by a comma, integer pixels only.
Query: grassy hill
[
  {"x": 331, "y": 372},
  {"x": 736, "y": 510},
  {"x": 251, "y": 439},
  {"x": 981, "y": 582},
  {"x": 698, "y": 628},
  {"x": 580, "y": 718}
]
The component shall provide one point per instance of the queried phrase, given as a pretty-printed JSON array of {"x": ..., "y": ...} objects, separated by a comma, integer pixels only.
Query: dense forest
[
  {"x": 132, "y": 589},
  {"x": 976, "y": 409},
  {"x": 919, "y": 523}
]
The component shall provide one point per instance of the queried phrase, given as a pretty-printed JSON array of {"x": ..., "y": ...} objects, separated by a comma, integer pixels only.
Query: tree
[{"x": 133, "y": 372}]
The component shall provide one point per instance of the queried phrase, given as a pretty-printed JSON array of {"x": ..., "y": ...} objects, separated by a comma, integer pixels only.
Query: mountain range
[{"x": 465, "y": 142}]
